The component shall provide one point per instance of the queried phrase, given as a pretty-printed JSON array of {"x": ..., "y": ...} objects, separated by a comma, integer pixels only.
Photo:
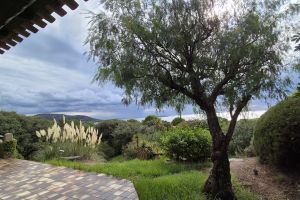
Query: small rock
[{"x": 255, "y": 171}]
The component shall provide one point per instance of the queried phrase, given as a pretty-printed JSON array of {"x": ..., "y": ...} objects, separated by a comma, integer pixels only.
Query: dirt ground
[{"x": 268, "y": 182}]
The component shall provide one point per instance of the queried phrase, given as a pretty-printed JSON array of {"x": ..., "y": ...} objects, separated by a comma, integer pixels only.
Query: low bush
[
  {"x": 138, "y": 149},
  {"x": 187, "y": 144},
  {"x": 194, "y": 124},
  {"x": 177, "y": 121},
  {"x": 106, "y": 150},
  {"x": 151, "y": 120},
  {"x": 277, "y": 134},
  {"x": 10, "y": 148}
]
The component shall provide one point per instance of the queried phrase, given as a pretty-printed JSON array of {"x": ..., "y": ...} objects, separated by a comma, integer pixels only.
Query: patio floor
[{"x": 21, "y": 179}]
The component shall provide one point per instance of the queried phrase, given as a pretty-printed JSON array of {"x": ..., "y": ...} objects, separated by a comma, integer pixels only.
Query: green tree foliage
[
  {"x": 192, "y": 145},
  {"x": 277, "y": 134},
  {"x": 178, "y": 52},
  {"x": 23, "y": 129}
]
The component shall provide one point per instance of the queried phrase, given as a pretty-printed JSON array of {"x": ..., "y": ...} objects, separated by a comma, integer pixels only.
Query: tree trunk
[{"x": 218, "y": 184}]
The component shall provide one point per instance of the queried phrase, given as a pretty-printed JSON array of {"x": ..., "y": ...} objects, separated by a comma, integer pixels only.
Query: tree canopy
[{"x": 167, "y": 52}]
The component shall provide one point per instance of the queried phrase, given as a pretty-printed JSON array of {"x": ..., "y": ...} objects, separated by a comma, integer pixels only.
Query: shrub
[
  {"x": 151, "y": 120},
  {"x": 177, "y": 121},
  {"x": 135, "y": 150},
  {"x": 194, "y": 124},
  {"x": 145, "y": 152},
  {"x": 241, "y": 138},
  {"x": 106, "y": 150},
  {"x": 277, "y": 134},
  {"x": 10, "y": 148},
  {"x": 187, "y": 144}
]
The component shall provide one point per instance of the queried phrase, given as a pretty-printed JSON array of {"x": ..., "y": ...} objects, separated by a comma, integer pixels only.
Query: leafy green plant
[
  {"x": 10, "y": 148},
  {"x": 277, "y": 136},
  {"x": 186, "y": 144}
]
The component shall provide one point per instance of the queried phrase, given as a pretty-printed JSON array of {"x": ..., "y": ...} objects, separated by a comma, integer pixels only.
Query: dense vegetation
[
  {"x": 136, "y": 150},
  {"x": 23, "y": 129},
  {"x": 241, "y": 139},
  {"x": 277, "y": 134}
]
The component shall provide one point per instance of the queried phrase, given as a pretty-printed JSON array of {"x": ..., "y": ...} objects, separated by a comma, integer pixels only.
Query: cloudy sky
[{"x": 49, "y": 73}]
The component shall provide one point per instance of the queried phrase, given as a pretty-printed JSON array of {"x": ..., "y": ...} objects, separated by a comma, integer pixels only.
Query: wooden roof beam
[
  {"x": 45, "y": 14},
  {"x": 2, "y": 51},
  {"x": 39, "y": 21},
  {"x": 16, "y": 37},
  {"x": 10, "y": 42},
  {"x": 70, "y": 3},
  {"x": 21, "y": 31},
  {"x": 57, "y": 8},
  {"x": 3, "y": 45},
  {"x": 29, "y": 26}
]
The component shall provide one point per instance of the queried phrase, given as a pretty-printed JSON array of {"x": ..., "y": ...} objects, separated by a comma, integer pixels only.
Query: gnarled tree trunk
[{"x": 218, "y": 184}]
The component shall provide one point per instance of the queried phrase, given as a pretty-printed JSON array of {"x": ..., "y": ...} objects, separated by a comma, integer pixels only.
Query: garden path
[
  {"x": 269, "y": 182},
  {"x": 22, "y": 179}
]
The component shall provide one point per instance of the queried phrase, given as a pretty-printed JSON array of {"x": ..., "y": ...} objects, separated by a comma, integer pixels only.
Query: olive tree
[{"x": 177, "y": 52}]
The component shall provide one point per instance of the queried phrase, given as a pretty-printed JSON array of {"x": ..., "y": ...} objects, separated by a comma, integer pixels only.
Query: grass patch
[
  {"x": 158, "y": 179},
  {"x": 183, "y": 186},
  {"x": 133, "y": 169}
]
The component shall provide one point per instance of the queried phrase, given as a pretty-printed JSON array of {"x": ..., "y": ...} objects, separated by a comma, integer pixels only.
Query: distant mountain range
[{"x": 58, "y": 117}]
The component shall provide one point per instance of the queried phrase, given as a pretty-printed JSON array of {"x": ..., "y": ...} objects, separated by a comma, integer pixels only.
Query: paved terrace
[{"x": 20, "y": 179}]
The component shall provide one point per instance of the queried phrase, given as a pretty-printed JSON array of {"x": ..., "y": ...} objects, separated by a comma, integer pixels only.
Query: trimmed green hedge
[
  {"x": 277, "y": 134},
  {"x": 10, "y": 148},
  {"x": 187, "y": 144}
]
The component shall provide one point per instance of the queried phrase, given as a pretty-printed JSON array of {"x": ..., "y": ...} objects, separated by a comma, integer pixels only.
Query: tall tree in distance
[{"x": 177, "y": 52}]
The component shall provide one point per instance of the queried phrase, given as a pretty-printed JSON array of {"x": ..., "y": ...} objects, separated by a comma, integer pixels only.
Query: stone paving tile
[{"x": 21, "y": 179}]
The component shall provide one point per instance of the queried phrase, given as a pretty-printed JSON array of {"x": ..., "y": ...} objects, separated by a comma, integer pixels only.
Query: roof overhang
[{"x": 20, "y": 18}]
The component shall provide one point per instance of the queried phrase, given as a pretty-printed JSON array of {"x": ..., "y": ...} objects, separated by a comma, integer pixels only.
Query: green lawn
[{"x": 158, "y": 179}]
